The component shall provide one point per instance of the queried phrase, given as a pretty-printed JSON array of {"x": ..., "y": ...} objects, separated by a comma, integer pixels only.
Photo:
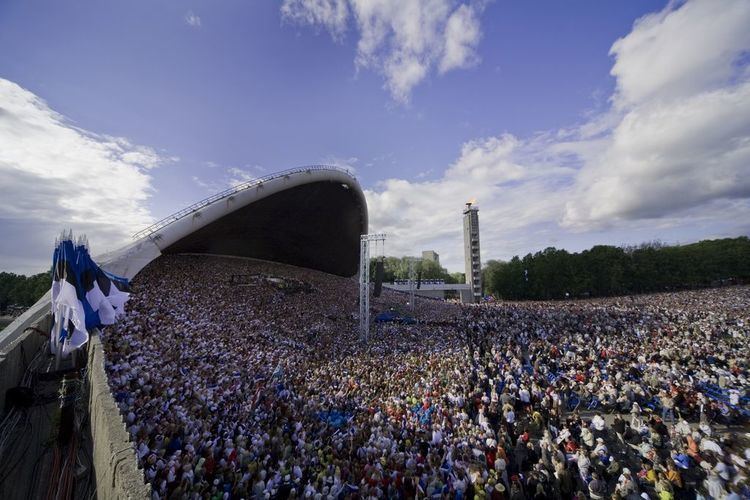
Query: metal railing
[{"x": 229, "y": 192}]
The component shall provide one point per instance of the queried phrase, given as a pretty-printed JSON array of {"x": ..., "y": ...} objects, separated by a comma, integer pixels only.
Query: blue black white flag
[{"x": 84, "y": 296}]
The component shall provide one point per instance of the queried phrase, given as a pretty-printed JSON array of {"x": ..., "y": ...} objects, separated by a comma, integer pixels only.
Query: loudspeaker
[{"x": 378, "y": 278}]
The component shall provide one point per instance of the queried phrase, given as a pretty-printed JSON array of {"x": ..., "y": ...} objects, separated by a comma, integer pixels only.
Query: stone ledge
[{"x": 115, "y": 463}]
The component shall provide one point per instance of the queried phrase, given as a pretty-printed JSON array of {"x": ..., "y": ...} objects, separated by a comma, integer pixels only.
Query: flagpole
[
  {"x": 61, "y": 345},
  {"x": 57, "y": 329}
]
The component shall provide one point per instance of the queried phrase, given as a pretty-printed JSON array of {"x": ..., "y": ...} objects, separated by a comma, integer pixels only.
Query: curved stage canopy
[
  {"x": 316, "y": 225},
  {"x": 309, "y": 217}
]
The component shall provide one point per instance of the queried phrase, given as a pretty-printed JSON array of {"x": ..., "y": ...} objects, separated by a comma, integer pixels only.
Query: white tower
[{"x": 472, "y": 259}]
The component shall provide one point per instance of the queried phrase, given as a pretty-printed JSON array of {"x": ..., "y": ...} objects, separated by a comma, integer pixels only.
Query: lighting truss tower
[
  {"x": 412, "y": 274},
  {"x": 364, "y": 282}
]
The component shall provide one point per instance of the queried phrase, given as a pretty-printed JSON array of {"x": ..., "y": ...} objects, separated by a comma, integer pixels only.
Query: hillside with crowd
[{"x": 246, "y": 379}]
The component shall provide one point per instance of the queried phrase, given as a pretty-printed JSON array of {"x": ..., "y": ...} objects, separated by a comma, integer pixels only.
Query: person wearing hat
[
  {"x": 626, "y": 484},
  {"x": 498, "y": 491}
]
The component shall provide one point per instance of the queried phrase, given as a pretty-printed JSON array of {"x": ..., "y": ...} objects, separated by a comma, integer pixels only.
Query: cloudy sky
[{"x": 572, "y": 123}]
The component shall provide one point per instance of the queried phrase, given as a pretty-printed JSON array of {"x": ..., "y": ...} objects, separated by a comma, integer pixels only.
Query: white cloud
[
  {"x": 462, "y": 36},
  {"x": 227, "y": 177},
  {"x": 404, "y": 40},
  {"x": 55, "y": 176},
  {"x": 208, "y": 185},
  {"x": 681, "y": 50},
  {"x": 239, "y": 176},
  {"x": 192, "y": 20},
  {"x": 670, "y": 155},
  {"x": 330, "y": 14}
]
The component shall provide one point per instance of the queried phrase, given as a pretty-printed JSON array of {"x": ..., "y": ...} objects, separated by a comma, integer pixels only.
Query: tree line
[
  {"x": 608, "y": 270},
  {"x": 17, "y": 290}
]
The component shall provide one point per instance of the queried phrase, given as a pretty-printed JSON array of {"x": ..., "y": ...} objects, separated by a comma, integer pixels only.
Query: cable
[
  {"x": 7, "y": 416},
  {"x": 83, "y": 451},
  {"x": 22, "y": 439},
  {"x": 8, "y": 430},
  {"x": 88, "y": 466},
  {"x": 63, "y": 484},
  {"x": 51, "y": 487},
  {"x": 36, "y": 329},
  {"x": 30, "y": 494},
  {"x": 27, "y": 427}
]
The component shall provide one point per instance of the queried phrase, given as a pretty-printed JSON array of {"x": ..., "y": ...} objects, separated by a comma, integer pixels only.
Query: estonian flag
[{"x": 83, "y": 295}]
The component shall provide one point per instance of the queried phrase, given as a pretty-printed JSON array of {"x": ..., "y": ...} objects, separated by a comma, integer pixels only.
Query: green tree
[
  {"x": 606, "y": 270},
  {"x": 19, "y": 290}
]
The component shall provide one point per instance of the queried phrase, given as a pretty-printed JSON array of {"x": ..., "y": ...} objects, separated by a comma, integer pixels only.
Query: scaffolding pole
[
  {"x": 364, "y": 282},
  {"x": 411, "y": 285}
]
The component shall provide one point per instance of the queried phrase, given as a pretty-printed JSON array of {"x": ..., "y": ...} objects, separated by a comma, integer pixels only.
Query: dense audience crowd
[{"x": 246, "y": 379}]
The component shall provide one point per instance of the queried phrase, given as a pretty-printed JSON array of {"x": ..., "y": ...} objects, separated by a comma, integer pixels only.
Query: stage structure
[{"x": 364, "y": 281}]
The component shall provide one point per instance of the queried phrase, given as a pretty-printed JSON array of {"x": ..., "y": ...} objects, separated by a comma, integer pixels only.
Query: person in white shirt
[
  {"x": 598, "y": 423},
  {"x": 584, "y": 464},
  {"x": 714, "y": 485},
  {"x": 524, "y": 395},
  {"x": 510, "y": 417},
  {"x": 600, "y": 449}
]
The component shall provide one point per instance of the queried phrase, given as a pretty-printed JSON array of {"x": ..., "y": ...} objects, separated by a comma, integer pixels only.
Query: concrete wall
[
  {"x": 16, "y": 353},
  {"x": 115, "y": 464}
]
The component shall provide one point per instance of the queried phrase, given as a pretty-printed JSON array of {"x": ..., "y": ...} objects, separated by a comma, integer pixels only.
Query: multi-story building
[
  {"x": 431, "y": 256},
  {"x": 472, "y": 259}
]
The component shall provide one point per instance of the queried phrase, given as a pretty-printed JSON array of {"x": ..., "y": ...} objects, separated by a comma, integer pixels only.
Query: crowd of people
[{"x": 250, "y": 388}]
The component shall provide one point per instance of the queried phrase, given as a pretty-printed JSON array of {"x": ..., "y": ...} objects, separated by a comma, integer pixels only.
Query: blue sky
[{"x": 539, "y": 110}]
